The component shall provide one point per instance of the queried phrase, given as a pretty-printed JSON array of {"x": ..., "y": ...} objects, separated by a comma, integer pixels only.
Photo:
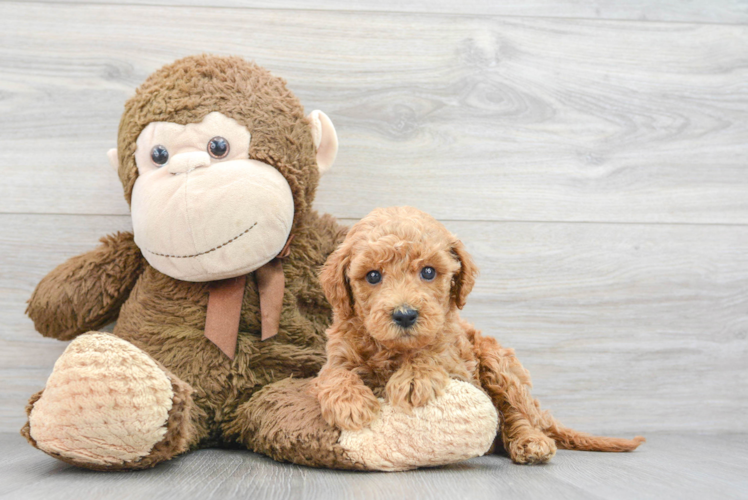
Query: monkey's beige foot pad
[
  {"x": 105, "y": 405},
  {"x": 458, "y": 425}
]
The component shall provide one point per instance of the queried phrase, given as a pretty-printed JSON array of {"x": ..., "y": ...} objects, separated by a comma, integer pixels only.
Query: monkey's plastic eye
[
  {"x": 218, "y": 147},
  {"x": 159, "y": 155},
  {"x": 428, "y": 273},
  {"x": 373, "y": 277}
]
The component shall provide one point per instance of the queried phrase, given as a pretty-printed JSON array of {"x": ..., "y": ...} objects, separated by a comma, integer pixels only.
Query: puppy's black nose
[{"x": 405, "y": 317}]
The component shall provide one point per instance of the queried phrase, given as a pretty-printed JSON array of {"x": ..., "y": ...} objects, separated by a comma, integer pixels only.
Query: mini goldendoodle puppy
[{"x": 396, "y": 285}]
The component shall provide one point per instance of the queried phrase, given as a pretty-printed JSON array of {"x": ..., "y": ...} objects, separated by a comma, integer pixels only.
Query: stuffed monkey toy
[{"x": 220, "y": 314}]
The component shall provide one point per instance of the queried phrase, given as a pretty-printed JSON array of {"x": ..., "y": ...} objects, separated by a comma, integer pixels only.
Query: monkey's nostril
[{"x": 405, "y": 317}]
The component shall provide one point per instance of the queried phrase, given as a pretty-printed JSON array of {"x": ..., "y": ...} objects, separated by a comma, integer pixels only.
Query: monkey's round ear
[
  {"x": 325, "y": 140},
  {"x": 113, "y": 161}
]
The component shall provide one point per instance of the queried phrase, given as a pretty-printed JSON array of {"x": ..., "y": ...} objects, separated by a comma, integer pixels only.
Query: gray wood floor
[{"x": 667, "y": 466}]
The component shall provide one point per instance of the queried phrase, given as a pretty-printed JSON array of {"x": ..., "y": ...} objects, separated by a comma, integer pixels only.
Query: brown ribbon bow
[{"x": 225, "y": 303}]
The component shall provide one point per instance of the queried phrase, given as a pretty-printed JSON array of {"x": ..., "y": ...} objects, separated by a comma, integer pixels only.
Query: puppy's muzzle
[{"x": 405, "y": 317}]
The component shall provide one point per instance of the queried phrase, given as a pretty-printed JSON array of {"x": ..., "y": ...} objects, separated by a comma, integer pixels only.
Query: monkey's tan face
[{"x": 202, "y": 210}]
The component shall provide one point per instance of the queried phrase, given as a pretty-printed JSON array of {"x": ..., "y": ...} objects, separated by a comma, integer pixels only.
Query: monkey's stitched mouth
[{"x": 207, "y": 251}]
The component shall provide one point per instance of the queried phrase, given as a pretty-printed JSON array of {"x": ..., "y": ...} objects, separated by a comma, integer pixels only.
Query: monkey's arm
[{"x": 86, "y": 292}]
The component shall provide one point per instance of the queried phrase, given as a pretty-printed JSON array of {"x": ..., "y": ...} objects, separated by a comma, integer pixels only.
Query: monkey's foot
[
  {"x": 532, "y": 448},
  {"x": 458, "y": 425},
  {"x": 110, "y": 406}
]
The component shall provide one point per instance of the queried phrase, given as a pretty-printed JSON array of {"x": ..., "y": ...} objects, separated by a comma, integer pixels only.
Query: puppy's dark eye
[
  {"x": 428, "y": 273},
  {"x": 159, "y": 155},
  {"x": 373, "y": 277},
  {"x": 218, "y": 147}
]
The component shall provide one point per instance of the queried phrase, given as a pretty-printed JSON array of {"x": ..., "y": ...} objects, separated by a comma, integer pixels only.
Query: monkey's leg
[
  {"x": 109, "y": 406},
  {"x": 529, "y": 434},
  {"x": 284, "y": 421}
]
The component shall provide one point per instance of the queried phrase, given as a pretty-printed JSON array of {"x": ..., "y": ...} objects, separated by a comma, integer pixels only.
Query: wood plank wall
[{"x": 592, "y": 155}]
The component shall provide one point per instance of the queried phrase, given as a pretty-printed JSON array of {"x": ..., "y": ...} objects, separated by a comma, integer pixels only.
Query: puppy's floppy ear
[
  {"x": 335, "y": 282},
  {"x": 463, "y": 281}
]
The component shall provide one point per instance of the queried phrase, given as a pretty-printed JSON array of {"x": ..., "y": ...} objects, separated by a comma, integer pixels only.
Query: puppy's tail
[{"x": 569, "y": 439}]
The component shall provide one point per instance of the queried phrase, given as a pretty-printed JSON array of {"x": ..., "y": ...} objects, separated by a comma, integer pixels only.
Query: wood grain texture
[
  {"x": 666, "y": 467},
  {"x": 467, "y": 117},
  {"x": 596, "y": 169},
  {"x": 625, "y": 328},
  {"x": 700, "y": 11}
]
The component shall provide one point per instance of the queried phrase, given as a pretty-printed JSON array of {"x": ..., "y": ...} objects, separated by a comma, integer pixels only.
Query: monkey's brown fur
[
  {"x": 165, "y": 317},
  {"x": 370, "y": 356}
]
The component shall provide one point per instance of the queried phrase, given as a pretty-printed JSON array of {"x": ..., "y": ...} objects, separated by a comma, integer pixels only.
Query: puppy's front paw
[
  {"x": 349, "y": 407},
  {"x": 534, "y": 448},
  {"x": 412, "y": 387}
]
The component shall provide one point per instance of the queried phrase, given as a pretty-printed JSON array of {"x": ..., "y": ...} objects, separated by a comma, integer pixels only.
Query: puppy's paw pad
[
  {"x": 351, "y": 409},
  {"x": 426, "y": 388},
  {"x": 398, "y": 394},
  {"x": 352, "y": 418},
  {"x": 530, "y": 450},
  {"x": 411, "y": 388}
]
